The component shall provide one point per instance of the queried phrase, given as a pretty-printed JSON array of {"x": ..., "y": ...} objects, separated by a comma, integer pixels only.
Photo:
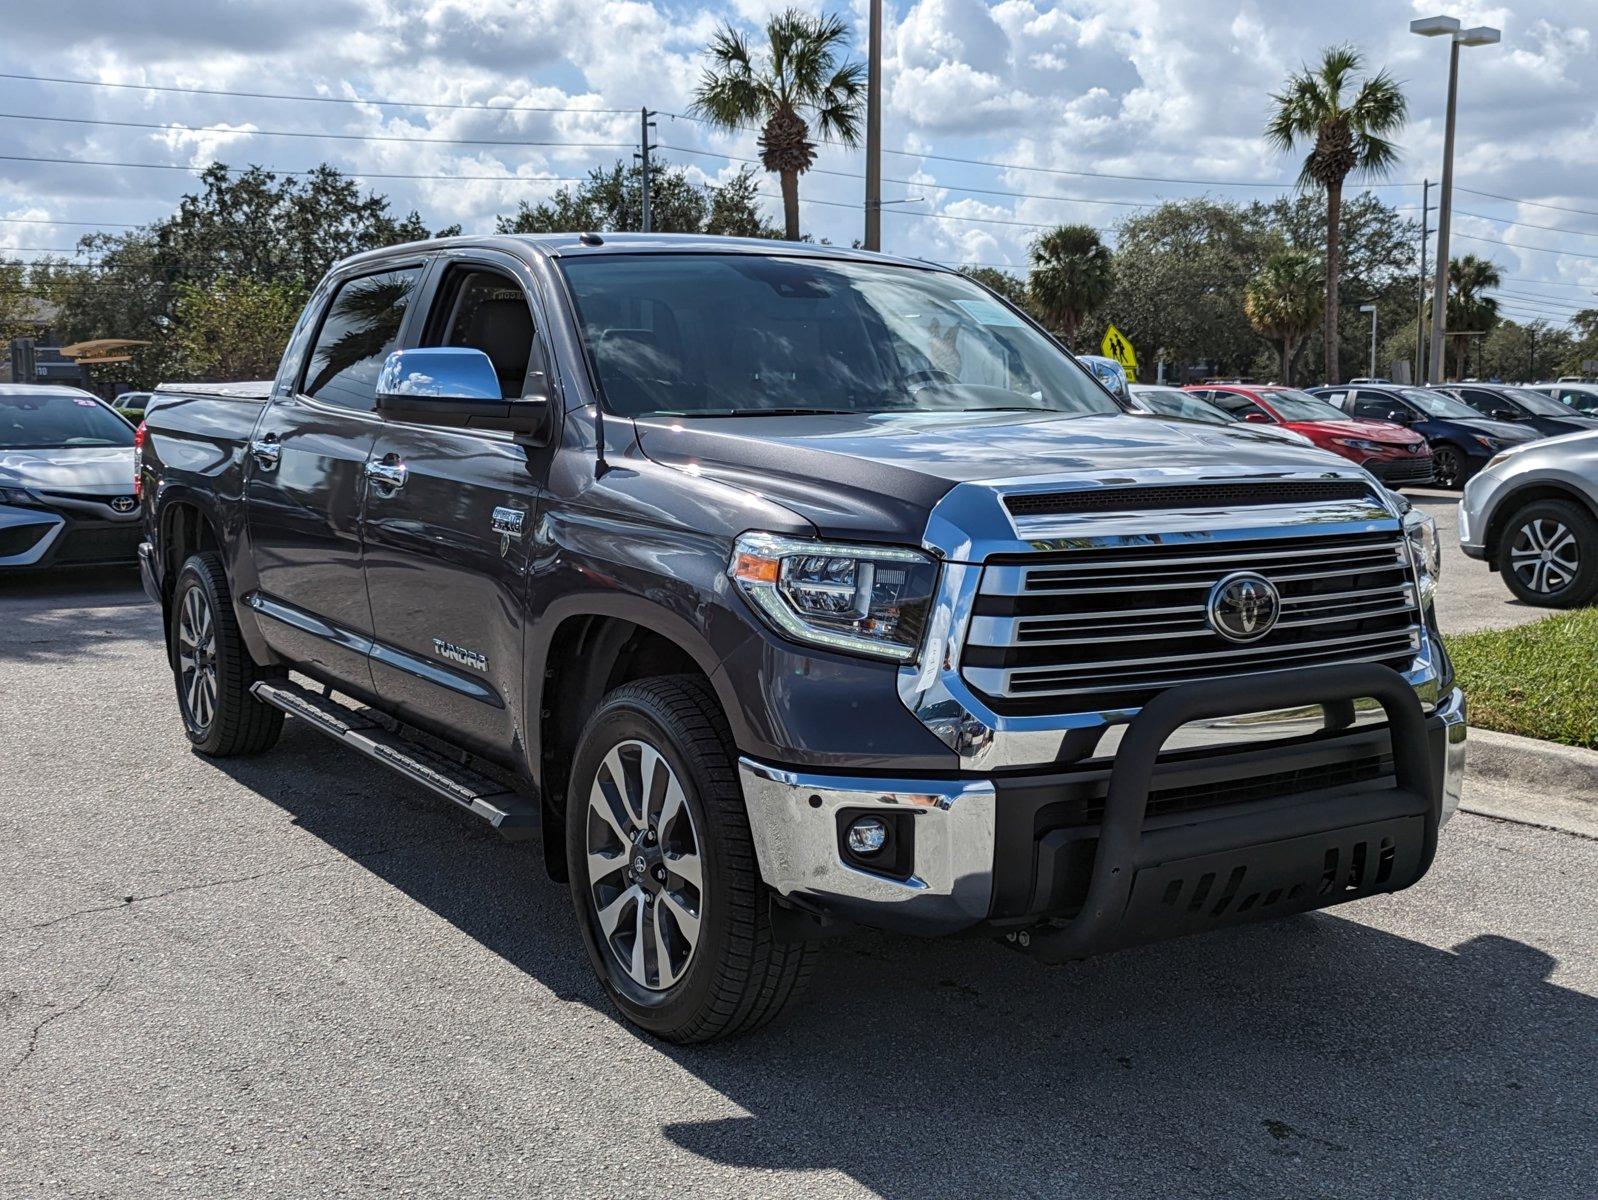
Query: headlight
[
  {"x": 1492, "y": 444},
  {"x": 1421, "y": 530},
  {"x": 859, "y": 599},
  {"x": 1361, "y": 444}
]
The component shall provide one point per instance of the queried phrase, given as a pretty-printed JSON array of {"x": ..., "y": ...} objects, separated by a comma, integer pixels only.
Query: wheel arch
[
  {"x": 594, "y": 645},
  {"x": 1531, "y": 492}
]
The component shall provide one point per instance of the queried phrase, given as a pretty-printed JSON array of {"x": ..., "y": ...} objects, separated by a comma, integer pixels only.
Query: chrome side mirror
[{"x": 457, "y": 386}]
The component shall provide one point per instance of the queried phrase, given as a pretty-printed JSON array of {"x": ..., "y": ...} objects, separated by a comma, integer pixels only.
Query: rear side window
[{"x": 359, "y": 331}]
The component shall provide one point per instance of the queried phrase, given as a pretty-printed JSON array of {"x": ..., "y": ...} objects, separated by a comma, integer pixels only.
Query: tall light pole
[
  {"x": 874, "y": 129},
  {"x": 1371, "y": 308},
  {"x": 1480, "y": 35}
]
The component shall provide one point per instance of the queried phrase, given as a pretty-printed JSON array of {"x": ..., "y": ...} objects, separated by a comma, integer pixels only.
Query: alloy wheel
[
  {"x": 1545, "y": 555},
  {"x": 645, "y": 875},
  {"x": 1447, "y": 466},
  {"x": 197, "y": 682}
]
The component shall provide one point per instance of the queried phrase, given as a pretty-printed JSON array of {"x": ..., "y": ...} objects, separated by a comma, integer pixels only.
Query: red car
[{"x": 1397, "y": 456}]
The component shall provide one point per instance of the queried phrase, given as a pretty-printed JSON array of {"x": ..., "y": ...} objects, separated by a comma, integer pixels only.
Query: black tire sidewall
[
  {"x": 1441, "y": 455},
  {"x": 1584, "y": 587},
  {"x": 194, "y": 575},
  {"x": 622, "y": 718}
]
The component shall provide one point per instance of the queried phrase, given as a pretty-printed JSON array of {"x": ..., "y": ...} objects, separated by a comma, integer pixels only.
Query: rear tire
[
  {"x": 712, "y": 968},
  {"x": 1548, "y": 554},
  {"x": 213, "y": 669}
]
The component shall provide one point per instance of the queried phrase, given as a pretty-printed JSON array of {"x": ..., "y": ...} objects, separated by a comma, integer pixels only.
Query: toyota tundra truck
[{"x": 782, "y": 590}]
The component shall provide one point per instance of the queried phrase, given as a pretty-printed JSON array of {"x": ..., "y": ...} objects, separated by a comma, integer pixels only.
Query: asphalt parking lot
[
  {"x": 1472, "y": 597},
  {"x": 297, "y": 976}
]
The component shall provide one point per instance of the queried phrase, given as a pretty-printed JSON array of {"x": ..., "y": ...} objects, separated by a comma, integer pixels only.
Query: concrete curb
[{"x": 1530, "y": 765}]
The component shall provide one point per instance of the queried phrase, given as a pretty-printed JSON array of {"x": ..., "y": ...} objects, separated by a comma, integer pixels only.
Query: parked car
[
  {"x": 1395, "y": 455},
  {"x": 1462, "y": 440},
  {"x": 1158, "y": 400},
  {"x": 1538, "y": 412},
  {"x": 1532, "y": 515},
  {"x": 132, "y": 405},
  {"x": 66, "y": 480},
  {"x": 868, "y": 608},
  {"x": 1583, "y": 397}
]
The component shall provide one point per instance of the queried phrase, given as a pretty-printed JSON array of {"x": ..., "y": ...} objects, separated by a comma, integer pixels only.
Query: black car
[
  {"x": 1462, "y": 440},
  {"x": 1533, "y": 410}
]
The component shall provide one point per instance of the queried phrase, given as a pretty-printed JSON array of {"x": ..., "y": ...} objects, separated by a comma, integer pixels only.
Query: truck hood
[
  {"x": 881, "y": 474},
  {"x": 102, "y": 469}
]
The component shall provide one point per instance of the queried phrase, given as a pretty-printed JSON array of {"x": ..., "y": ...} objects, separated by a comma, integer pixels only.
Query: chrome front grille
[{"x": 1111, "y": 626}]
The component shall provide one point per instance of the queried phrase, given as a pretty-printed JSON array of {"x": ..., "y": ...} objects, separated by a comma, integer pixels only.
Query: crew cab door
[
  {"x": 448, "y": 523},
  {"x": 305, "y": 478}
]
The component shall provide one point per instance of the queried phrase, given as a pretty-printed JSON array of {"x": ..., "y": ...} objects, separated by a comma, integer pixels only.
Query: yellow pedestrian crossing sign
[{"x": 1117, "y": 346}]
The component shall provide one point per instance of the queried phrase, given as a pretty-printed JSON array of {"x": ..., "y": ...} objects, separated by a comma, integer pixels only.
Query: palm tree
[
  {"x": 1071, "y": 275},
  {"x": 797, "y": 81},
  {"x": 1346, "y": 122},
  {"x": 1470, "y": 310},
  {"x": 1283, "y": 302}
]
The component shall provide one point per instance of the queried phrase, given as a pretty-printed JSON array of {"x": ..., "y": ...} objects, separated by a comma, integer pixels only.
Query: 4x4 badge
[{"x": 507, "y": 522}]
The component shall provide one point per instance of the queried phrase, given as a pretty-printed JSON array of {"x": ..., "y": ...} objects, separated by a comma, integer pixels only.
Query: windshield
[
  {"x": 697, "y": 335},
  {"x": 1169, "y": 402},
  {"x": 1537, "y": 402},
  {"x": 1294, "y": 405},
  {"x": 1438, "y": 405},
  {"x": 50, "y": 420}
]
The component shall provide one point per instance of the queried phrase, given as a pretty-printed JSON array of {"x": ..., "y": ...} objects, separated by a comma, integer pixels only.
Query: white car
[
  {"x": 1583, "y": 397},
  {"x": 1532, "y": 515}
]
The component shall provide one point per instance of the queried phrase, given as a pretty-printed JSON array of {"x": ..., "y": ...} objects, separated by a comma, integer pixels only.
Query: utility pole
[
  {"x": 1420, "y": 314},
  {"x": 1480, "y": 35},
  {"x": 874, "y": 129},
  {"x": 644, "y": 126}
]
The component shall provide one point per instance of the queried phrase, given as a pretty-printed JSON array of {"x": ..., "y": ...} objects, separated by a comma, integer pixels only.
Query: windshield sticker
[
  {"x": 83, "y": 403},
  {"x": 988, "y": 313}
]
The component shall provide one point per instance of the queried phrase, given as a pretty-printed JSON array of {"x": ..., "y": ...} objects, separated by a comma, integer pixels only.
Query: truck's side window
[
  {"x": 359, "y": 331},
  {"x": 486, "y": 311}
]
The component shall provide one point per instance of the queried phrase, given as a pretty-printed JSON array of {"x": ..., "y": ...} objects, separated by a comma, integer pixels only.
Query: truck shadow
[{"x": 1315, "y": 1056}]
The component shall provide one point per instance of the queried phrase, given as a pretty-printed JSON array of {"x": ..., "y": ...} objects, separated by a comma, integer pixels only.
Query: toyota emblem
[
  {"x": 1244, "y": 606},
  {"x": 124, "y": 504}
]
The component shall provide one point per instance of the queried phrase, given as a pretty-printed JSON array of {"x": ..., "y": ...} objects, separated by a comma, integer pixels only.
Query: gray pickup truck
[{"x": 786, "y": 590}]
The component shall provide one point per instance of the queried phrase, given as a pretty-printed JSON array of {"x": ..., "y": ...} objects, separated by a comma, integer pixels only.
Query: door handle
[
  {"x": 386, "y": 476},
  {"x": 266, "y": 451}
]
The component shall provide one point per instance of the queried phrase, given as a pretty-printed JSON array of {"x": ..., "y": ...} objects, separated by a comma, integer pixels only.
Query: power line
[
  {"x": 53, "y": 221},
  {"x": 1516, "y": 246},
  {"x": 1590, "y": 288},
  {"x": 1527, "y": 224},
  {"x": 194, "y": 91},
  {"x": 336, "y": 137},
  {"x": 1585, "y": 212}
]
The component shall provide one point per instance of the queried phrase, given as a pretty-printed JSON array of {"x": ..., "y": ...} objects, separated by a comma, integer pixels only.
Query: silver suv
[{"x": 1532, "y": 515}]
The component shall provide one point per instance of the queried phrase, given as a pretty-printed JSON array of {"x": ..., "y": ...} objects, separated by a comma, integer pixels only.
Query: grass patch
[{"x": 1538, "y": 680}]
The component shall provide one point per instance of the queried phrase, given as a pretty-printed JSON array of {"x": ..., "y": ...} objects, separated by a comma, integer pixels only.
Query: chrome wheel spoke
[{"x": 641, "y": 838}]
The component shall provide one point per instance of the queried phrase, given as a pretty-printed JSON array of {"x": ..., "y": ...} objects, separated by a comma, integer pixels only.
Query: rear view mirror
[
  {"x": 1255, "y": 418},
  {"x": 1399, "y": 416},
  {"x": 456, "y": 386},
  {"x": 1505, "y": 414}
]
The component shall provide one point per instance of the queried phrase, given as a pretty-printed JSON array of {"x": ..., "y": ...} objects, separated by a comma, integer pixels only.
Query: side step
[{"x": 515, "y": 815}]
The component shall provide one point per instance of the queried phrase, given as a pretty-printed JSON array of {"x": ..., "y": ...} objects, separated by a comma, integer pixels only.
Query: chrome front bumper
[{"x": 794, "y": 817}]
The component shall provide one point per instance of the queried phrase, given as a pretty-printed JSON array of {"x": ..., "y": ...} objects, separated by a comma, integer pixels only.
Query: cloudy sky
[{"x": 1079, "y": 110}]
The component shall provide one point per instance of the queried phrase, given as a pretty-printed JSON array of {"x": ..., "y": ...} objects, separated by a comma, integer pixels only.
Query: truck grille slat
[{"x": 1047, "y": 635}]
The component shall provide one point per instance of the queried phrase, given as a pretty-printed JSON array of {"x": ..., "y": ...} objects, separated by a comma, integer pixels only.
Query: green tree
[
  {"x": 1347, "y": 122},
  {"x": 799, "y": 80},
  {"x": 1283, "y": 302},
  {"x": 232, "y": 329},
  {"x": 1072, "y": 274},
  {"x": 611, "y": 200},
  {"x": 1470, "y": 310}
]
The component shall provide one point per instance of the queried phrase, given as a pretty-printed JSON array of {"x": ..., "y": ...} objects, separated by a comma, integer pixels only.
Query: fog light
[{"x": 867, "y": 836}]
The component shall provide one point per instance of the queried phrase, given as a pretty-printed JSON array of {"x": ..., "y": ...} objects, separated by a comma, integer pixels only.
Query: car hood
[
  {"x": 1575, "y": 424},
  {"x": 1502, "y": 430},
  {"x": 881, "y": 474},
  {"x": 1370, "y": 431},
  {"x": 105, "y": 470}
]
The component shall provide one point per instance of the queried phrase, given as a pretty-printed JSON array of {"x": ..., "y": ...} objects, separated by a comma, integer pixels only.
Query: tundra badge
[{"x": 466, "y": 658}]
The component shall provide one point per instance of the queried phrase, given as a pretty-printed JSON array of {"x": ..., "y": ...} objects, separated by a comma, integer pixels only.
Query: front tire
[
  {"x": 663, "y": 873},
  {"x": 1448, "y": 468},
  {"x": 212, "y": 666},
  {"x": 1549, "y": 554}
]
